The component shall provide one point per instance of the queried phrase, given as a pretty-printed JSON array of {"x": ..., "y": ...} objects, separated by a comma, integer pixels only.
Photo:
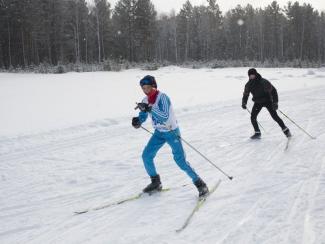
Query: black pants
[{"x": 257, "y": 109}]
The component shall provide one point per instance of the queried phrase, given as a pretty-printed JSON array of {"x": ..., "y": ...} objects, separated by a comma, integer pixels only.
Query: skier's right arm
[
  {"x": 137, "y": 121},
  {"x": 245, "y": 95},
  {"x": 143, "y": 116}
]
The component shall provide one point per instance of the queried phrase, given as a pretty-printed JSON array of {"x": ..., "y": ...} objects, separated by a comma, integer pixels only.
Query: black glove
[
  {"x": 275, "y": 106},
  {"x": 136, "y": 122},
  {"x": 244, "y": 106},
  {"x": 144, "y": 107}
]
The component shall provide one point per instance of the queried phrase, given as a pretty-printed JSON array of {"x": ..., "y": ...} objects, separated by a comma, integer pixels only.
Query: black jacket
[{"x": 262, "y": 90}]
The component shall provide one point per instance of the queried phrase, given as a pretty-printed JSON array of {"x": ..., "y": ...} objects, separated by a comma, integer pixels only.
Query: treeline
[{"x": 54, "y": 32}]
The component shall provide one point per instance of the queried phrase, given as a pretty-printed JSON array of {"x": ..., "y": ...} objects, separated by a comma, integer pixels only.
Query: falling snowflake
[{"x": 240, "y": 22}]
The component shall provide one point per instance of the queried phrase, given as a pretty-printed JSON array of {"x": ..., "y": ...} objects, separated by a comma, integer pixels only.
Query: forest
[{"x": 60, "y": 33}]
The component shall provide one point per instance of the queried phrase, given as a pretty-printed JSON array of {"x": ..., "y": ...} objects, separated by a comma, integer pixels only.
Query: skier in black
[{"x": 264, "y": 95}]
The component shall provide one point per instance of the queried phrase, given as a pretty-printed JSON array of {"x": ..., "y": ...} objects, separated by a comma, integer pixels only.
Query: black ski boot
[
  {"x": 287, "y": 132},
  {"x": 201, "y": 187},
  {"x": 257, "y": 135},
  {"x": 155, "y": 185}
]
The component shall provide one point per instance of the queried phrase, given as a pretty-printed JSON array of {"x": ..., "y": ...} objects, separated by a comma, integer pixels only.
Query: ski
[
  {"x": 198, "y": 205},
  {"x": 129, "y": 199},
  {"x": 287, "y": 144}
]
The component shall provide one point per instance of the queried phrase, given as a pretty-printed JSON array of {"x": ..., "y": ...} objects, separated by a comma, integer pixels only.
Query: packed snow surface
[{"x": 66, "y": 144}]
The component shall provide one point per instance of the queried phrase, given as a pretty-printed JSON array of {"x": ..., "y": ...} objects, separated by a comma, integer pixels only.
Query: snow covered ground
[
  {"x": 66, "y": 144},
  {"x": 32, "y": 103}
]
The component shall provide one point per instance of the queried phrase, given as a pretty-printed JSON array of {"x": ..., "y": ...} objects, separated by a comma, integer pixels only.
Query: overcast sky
[{"x": 167, "y": 5}]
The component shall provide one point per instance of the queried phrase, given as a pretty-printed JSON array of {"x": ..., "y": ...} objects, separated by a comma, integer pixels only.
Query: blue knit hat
[{"x": 148, "y": 80}]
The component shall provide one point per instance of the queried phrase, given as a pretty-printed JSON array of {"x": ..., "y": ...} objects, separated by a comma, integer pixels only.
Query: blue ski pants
[{"x": 172, "y": 138}]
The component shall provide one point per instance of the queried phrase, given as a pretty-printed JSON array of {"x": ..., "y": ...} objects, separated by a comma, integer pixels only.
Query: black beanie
[{"x": 252, "y": 72}]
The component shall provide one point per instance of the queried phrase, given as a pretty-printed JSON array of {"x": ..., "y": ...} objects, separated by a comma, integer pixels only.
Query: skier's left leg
[
  {"x": 175, "y": 143},
  {"x": 174, "y": 140},
  {"x": 276, "y": 118}
]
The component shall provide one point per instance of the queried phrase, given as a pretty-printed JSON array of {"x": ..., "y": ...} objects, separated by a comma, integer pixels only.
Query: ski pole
[
  {"x": 146, "y": 130},
  {"x": 312, "y": 137},
  {"x": 256, "y": 120},
  {"x": 187, "y": 143}
]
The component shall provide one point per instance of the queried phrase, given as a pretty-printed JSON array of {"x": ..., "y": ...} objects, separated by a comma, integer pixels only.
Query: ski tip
[
  {"x": 80, "y": 212},
  {"x": 165, "y": 189}
]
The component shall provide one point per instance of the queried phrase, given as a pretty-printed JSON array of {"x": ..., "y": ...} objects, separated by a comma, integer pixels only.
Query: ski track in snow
[{"x": 275, "y": 197}]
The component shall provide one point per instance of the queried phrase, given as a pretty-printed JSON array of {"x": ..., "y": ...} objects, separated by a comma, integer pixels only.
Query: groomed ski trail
[{"x": 275, "y": 197}]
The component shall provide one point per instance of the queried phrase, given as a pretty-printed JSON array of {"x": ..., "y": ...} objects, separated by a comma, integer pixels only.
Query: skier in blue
[{"x": 157, "y": 105}]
